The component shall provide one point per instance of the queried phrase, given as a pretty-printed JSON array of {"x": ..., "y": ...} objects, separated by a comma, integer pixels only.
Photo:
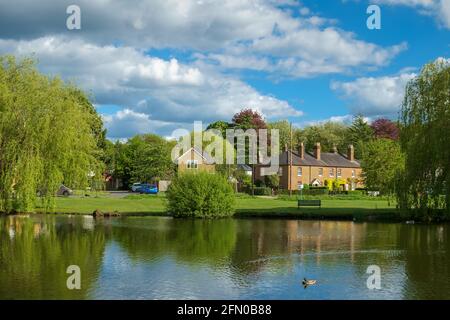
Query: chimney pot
[
  {"x": 317, "y": 151},
  {"x": 351, "y": 153},
  {"x": 301, "y": 151}
]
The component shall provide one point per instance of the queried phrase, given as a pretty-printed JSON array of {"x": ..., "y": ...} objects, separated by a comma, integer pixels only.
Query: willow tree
[
  {"x": 49, "y": 134},
  {"x": 425, "y": 140}
]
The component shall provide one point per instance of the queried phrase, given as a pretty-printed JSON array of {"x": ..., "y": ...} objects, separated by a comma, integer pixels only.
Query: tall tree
[
  {"x": 425, "y": 124},
  {"x": 359, "y": 134},
  {"x": 222, "y": 126},
  {"x": 48, "y": 136},
  {"x": 249, "y": 119},
  {"x": 329, "y": 134},
  {"x": 150, "y": 158},
  {"x": 382, "y": 163},
  {"x": 284, "y": 131},
  {"x": 385, "y": 128}
]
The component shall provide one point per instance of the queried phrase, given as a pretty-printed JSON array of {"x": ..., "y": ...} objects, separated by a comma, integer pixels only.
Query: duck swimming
[{"x": 306, "y": 282}]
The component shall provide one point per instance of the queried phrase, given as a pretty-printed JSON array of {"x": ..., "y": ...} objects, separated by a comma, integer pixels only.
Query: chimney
[
  {"x": 335, "y": 148},
  {"x": 285, "y": 147},
  {"x": 351, "y": 153},
  {"x": 317, "y": 151},
  {"x": 301, "y": 151}
]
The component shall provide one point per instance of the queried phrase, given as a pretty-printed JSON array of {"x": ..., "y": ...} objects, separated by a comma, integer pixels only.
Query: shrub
[
  {"x": 262, "y": 191},
  {"x": 200, "y": 195}
]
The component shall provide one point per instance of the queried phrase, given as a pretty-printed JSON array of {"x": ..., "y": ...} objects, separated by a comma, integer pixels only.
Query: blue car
[{"x": 148, "y": 189}]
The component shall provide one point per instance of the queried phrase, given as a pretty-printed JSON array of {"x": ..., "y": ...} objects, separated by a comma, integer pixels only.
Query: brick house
[
  {"x": 316, "y": 168},
  {"x": 194, "y": 160}
]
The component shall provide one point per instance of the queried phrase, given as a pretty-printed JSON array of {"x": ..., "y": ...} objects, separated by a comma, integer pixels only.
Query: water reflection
[{"x": 163, "y": 258}]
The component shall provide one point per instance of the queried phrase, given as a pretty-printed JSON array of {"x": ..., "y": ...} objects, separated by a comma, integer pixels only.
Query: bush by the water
[{"x": 200, "y": 195}]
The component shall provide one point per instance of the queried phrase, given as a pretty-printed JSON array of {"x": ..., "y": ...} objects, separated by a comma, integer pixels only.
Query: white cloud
[
  {"x": 126, "y": 123},
  {"x": 374, "y": 96},
  {"x": 164, "y": 90},
  {"x": 189, "y": 24},
  {"x": 305, "y": 52},
  {"x": 265, "y": 33},
  {"x": 345, "y": 119}
]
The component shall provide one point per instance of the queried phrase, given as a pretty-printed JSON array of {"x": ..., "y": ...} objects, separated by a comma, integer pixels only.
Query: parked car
[
  {"x": 135, "y": 186},
  {"x": 64, "y": 191},
  {"x": 148, "y": 189}
]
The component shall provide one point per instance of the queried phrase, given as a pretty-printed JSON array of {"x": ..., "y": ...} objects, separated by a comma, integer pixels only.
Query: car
[
  {"x": 64, "y": 191},
  {"x": 135, "y": 186},
  {"x": 148, "y": 189},
  {"x": 142, "y": 185}
]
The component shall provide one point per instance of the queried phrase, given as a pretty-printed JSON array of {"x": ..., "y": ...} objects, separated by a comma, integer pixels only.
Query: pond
[{"x": 165, "y": 258}]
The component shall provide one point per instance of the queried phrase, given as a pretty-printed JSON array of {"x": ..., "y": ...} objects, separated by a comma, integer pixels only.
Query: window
[
  {"x": 192, "y": 164},
  {"x": 353, "y": 173},
  {"x": 299, "y": 171},
  {"x": 299, "y": 186},
  {"x": 320, "y": 172},
  {"x": 331, "y": 172},
  {"x": 339, "y": 172}
]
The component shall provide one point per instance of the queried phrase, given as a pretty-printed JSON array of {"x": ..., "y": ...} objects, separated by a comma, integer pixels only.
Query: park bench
[{"x": 309, "y": 203}]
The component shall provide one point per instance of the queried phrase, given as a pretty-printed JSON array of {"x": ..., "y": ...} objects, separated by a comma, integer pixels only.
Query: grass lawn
[
  {"x": 149, "y": 205},
  {"x": 245, "y": 207}
]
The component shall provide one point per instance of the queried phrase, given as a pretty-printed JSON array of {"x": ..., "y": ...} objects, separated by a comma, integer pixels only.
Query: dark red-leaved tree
[
  {"x": 247, "y": 118},
  {"x": 385, "y": 128}
]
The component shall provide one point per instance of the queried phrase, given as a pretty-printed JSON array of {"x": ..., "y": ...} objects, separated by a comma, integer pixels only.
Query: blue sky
[{"x": 159, "y": 65}]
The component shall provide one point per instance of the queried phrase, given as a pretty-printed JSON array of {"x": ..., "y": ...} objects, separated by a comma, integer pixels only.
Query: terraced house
[{"x": 319, "y": 168}]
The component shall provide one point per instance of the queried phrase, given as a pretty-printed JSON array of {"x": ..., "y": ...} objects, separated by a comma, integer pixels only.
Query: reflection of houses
[
  {"x": 298, "y": 168},
  {"x": 324, "y": 236},
  {"x": 194, "y": 160}
]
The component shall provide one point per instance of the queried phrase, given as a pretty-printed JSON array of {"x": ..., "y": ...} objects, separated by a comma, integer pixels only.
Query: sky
[{"x": 153, "y": 66}]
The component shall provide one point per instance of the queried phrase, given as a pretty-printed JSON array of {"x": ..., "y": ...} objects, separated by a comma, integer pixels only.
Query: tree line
[{"x": 50, "y": 133}]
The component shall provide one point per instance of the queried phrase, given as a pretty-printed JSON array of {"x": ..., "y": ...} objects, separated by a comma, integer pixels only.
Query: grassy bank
[
  {"x": 245, "y": 207},
  {"x": 131, "y": 205},
  {"x": 331, "y": 209}
]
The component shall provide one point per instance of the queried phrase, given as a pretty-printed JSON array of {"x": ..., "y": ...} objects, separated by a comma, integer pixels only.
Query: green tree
[
  {"x": 272, "y": 181},
  {"x": 284, "y": 131},
  {"x": 424, "y": 138},
  {"x": 150, "y": 157},
  {"x": 49, "y": 134},
  {"x": 329, "y": 134},
  {"x": 382, "y": 163},
  {"x": 118, "y": 160},
  {"x": 359, "y": 134},
  {"x": 222, "y": 126}
]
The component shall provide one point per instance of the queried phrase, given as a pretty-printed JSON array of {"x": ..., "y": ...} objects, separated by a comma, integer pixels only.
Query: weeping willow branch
[
  {"x": 49, "y": 134},
  {"x": 425, "y": 139}
]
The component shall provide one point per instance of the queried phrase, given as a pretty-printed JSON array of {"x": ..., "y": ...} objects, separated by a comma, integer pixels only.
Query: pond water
[{"x": 164, "y": 258}]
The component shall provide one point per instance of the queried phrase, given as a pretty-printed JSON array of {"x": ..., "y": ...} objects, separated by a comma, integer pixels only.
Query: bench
[{"x": 309, "y": 203}]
